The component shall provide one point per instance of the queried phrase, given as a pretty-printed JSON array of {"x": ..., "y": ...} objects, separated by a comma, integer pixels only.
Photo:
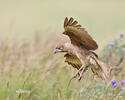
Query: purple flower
[
  {"x": 123, "y": 82},
  {"x": 111, "y": 44},
  {"x": 114, "y": 83},
  {"x": 121, "y": 35}
]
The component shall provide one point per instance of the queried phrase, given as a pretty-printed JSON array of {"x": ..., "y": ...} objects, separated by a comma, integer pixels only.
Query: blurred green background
[
  {"x": 103, "y": 19},
  {"x": 28, "y": 34}
]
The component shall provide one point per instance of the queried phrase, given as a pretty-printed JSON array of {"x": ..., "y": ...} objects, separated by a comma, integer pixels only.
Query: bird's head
[{"x": 62, "y": 48}]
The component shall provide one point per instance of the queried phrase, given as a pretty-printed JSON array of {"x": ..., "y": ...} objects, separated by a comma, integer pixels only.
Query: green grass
[
  {"x": 32, "y": 67},
  {"x": 29, "y": 64}
]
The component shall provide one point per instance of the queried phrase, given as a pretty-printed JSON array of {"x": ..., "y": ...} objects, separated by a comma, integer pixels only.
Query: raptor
[{"x": 79, "y": 51}]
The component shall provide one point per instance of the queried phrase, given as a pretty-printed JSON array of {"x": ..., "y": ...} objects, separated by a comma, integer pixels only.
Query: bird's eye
[
  {"x": 62, "y": 47},
  {"x": 57, "y": 48}
]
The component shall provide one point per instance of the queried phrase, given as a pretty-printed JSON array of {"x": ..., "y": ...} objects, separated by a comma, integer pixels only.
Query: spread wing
[
  {"x": 73, "y": 60},
  {"x": 78, "y": 35}
]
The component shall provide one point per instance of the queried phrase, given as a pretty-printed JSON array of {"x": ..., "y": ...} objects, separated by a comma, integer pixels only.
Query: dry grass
[{"x": 34, "y": 67}]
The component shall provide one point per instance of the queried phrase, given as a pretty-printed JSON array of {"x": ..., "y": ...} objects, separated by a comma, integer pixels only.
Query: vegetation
[{"x": 30, "y": 71}]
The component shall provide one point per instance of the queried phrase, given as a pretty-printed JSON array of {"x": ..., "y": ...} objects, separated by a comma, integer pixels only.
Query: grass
[
  {"x": 32, "y": 67},
  {"x": 27, "y": 62}
]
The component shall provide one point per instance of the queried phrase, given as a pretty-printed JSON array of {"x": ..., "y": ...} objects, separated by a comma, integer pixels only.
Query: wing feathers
[
  {"x": 78, "y": 26},
  {"x": 78, "y": 35},
  {"x": 74, "y": 23},
  {"x": 70, "y": 21},
  {"x": 65, "y": 22}
]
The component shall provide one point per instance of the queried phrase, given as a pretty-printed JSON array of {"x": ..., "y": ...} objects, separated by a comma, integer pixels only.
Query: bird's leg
[
  {"x": 83, "y": 70},
  {"x": 77, "y": 73}
]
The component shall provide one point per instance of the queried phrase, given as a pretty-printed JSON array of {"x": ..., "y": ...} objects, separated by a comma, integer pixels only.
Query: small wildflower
[
  {"x": 121, "y": 35},
  {"x": 111, "y": 44},
  {"x": 123, "y": 82},
  {"x": 114, "y": 83}
]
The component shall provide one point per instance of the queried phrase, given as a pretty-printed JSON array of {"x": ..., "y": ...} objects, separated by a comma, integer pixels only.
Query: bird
[{"x": 79, "y": 51}]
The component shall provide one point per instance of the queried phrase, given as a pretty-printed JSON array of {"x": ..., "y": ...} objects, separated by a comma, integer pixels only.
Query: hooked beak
[{"x": 57, "y": 50}]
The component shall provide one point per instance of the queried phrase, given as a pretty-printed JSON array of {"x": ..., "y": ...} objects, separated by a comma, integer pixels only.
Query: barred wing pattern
[{"x": 78, "y": 35}]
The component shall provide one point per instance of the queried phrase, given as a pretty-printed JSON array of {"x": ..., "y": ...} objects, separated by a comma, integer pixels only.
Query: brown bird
[{"x": 79, "y": 51}]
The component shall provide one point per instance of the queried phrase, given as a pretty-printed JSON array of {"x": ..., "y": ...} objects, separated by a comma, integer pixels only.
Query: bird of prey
[{"x": 79, "y": 51}]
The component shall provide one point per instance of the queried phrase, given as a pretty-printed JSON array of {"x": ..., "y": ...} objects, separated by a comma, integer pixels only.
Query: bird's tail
[{"x": 105, "y": 71}]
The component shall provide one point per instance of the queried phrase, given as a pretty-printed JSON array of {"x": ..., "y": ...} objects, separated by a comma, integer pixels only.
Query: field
[{"x": 29, "y": 32}]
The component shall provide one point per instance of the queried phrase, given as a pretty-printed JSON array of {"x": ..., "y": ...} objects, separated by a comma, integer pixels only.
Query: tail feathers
[
  {"x": 100, "y": 68},
  {"x": 107, "y": 72},
  {"x": 105, "y": 69}
]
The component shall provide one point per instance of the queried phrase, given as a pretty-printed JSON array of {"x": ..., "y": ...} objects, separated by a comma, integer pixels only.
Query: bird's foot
[
  {"x": 78, "y": 72},
  {"x": 80, "y": 76},
  {"x": 79, "y": 79}
]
